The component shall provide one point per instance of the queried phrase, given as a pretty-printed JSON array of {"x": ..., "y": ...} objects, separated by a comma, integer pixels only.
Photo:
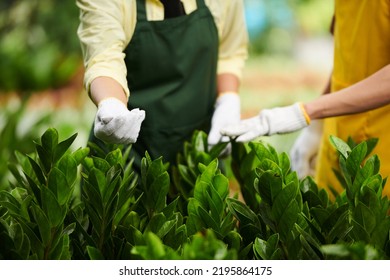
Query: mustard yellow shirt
[{"x": 107, "y": 26}]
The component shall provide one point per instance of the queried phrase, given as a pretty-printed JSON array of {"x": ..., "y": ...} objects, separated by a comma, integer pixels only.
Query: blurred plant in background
[
  {"x": 39, "y": 48},
  {"x": 274, "y": 26},
  {"x": 39, "y": 56}
]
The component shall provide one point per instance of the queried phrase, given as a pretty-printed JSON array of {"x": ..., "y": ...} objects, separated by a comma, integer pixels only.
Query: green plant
[
  {"x": 112, "y": 213},
  {"x": 296, "y": 220},
  {"x": 15, "y": 137},
  {"x": 37, "y": 205},
  {"x": 39, "y": 46}
]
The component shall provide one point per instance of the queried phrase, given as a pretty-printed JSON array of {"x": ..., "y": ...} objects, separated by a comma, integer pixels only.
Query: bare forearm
[
  {"x": 227, "y": 83},
  {"x": 104, "y": 87},
  {"x": 368, "y": 94}
]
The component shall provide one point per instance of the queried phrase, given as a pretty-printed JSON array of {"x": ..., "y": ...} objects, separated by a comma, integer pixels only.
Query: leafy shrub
[{"x": 117, "y": 214}]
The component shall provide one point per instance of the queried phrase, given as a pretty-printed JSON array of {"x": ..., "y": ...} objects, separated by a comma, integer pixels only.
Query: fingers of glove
[
  {"x": 301, "y": 167},
  {"x": 304, "y": 150},
  {"x": 227, "y": 112},
  {"x": 254, "y": 128},
  {"x": 135, "y": 119},
  {"x": 302, "y": 162},
  {"x": 123, "y": 129},
  {"x": 249, "y": 136},
  {"x": 127, "y": 132},
  {"x": 109, "y": 132},
  {"x": 241, "y": 128},
  {"x": 221, "y": 120},
  {"x": 284, "y": 119},
  {"x": 214, "y": 136}
]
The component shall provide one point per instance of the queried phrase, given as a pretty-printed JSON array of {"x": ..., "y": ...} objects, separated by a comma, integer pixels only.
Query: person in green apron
[{"x": 158, "y": 70}]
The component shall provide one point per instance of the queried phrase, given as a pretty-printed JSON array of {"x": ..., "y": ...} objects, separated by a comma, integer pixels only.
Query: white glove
[
  {"x": 305, "y": 149},
  {"x": 114, "y": 123},
  {"x": 227, "y": 111},
  {"x": 270, "y": 121}
]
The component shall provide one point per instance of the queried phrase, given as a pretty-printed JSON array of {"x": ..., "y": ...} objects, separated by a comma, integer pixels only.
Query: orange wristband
[{"x": 307, "y": 118}]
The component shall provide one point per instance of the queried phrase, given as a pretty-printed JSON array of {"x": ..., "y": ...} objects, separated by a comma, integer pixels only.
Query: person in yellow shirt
[
  {"x": 160, "y": 69},
  {"x": 360, "y": 86}
]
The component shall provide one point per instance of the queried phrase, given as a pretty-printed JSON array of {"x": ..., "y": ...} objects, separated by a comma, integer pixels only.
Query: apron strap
[
  {"x": 141, "y": 10},
  {"x": 200, "y": 3}
]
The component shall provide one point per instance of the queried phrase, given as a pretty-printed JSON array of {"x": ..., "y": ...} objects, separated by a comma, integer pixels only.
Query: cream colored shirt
[{"x": 107, "y": 26}]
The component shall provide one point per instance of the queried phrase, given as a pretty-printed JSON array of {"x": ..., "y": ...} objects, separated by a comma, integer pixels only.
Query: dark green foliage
[
  {"x": 38, "y": 204},
  {"x": 116, "y": 214},
  {"x": 39, "y": 46}
]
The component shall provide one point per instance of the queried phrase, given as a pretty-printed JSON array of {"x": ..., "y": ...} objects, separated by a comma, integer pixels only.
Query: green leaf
[
  {"x": 58, "y": 184},
  {"x": 200, "y": 190},
  {"x": 101, "y": 164},
  {"x": 114, "y": 157},
  {"x": 309, "y": 249},
  {"x": 208, "y": 221},
  {"x": 69, "y": 229},
  {"x": 200, "y": 141},
  {"x": 380, "y": 235},
  {"x": 341, "y": 227},
  {"x": 340, "y": 146},
  {"x": 45, "y": 158},
  {"x": 62, "y": 147},
  {"x": 365, "y": 217},
  {"x": 92, "y": 197},
  {"x": 51, "y": 207},
  {"x": 221, "y": 184},
  {"x": 284, "y": 197},
  {"x": 155, "y": 246},
  {"x": 269, "y": 185},
  {"x": 186, "y": 175},
  {"x": 112, "y": 185},
  {"x": 37, "y": 170},
  {"x": 49, "y": 141},
  {"x": 33, "y": 188},
  {"x": 288, "y": 219},
  {"x": 68, "y": 167},
  {"x": 266, "y": 249},
  {"x": 359, "y": 233},
  {"x": 356, "y": 157},
  {"x": 371, "y": 144},
  {"x": 215, "y": 206},
  {"x": 43, "y": 224},
  {"x": 194, "y": 223},
  {"x": 248, "y": 163},
  {"x": 158, "y": 191},
  {"x": 94, "y": 253},
  {"x": 242, "y": 212},
  {"x": 165, "y": 228},
  {"x": 262, "y": 152},
  {"x": 210, "y": 171},
  {"x": 169, "y": 210},
  {"x": 233, "y": 240},
  {"x": 284, "y": 163},
  {"x": 10, "y": 202},
  {"x": 80, "y": 154}
]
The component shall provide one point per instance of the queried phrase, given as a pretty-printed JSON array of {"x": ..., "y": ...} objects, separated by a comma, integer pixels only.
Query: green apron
[{"x": 172, "y": 69}]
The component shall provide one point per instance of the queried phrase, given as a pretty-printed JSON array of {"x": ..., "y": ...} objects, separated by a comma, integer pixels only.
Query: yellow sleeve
[
  {"x": 233, "y": 49},
  {"x": 104, "y": 31}
]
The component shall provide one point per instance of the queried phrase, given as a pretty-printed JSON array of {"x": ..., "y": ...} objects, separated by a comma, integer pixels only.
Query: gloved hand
[
  {"x": 114, "y": 123},
  {"x": 227, "y": 111},
  {"x": 270, "y": 121},
  {"x": 305, "y": 149}
]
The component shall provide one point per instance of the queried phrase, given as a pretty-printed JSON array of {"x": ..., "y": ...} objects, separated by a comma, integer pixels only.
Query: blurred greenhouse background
[{"x": 41, "y": 69}]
